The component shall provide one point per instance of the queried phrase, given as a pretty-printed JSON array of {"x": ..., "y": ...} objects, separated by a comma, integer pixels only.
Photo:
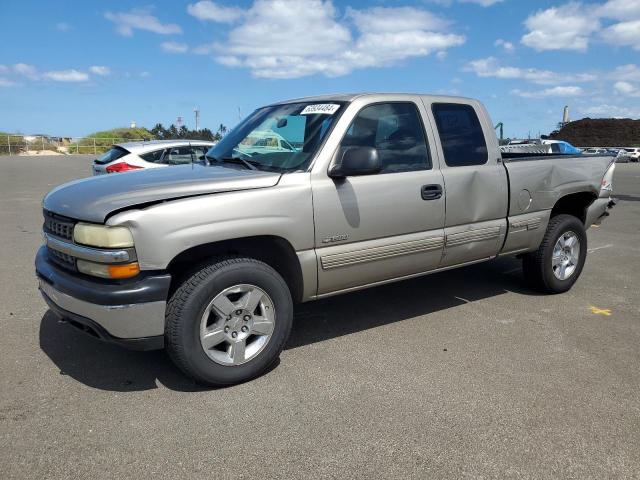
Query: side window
[
  {"x": 396, "y": 131},
  {"x": 199, "y": 152},
  {"x": 178, "y": 156},
  {"x": 461, "y": 134},
  {"x": 152, "y": 157}
]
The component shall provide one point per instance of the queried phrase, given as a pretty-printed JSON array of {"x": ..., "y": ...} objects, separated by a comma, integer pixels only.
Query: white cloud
[
  {"x": 140, "y": 19},
  {"x": 620, "y": 9},
  {"x": 611, "y": 111},
  {"x": 507, "y": 46},
  {"x": 30, "y": 72},
  {"x": 283, "y": 39},
  {"x": 567, "y": 27},
  {"x": 174, "y": 47},
  {"x": 71, "y": 75},
  {"x": 627, "y": 89},
  {"x": 490, "y": 67},
  {"x": 6, "y": 83},
  {"x": 572, "y": 25},
  {"x": 391, "y": 34},
  {"x": 569, "y": 91},
  {"x": 63, "y": 27},
  {"x": 623, "y": 34},
  {"x": 629, "y": 72},
  {"x": 100, "y": 70},
  {"x": 624, "y": 87},
  {"x": 210, "y": 11},
  {"x": 207, "y": 48},
  {"x": 483, "y": 3},
  {"x": 25, "y": 70},
  {"x": 395, "y": 19}
]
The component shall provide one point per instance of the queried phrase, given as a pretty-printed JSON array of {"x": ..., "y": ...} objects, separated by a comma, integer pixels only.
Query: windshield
[{"x": 279, "y": 138}]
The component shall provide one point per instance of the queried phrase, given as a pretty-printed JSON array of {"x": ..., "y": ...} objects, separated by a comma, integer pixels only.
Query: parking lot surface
[{"x": 466, "y": 373}]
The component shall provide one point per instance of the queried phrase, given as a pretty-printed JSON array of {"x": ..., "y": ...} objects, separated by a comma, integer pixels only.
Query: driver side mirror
[{"x": 356, "y": 161}]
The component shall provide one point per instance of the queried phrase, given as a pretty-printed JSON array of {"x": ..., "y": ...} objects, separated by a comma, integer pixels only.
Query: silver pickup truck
[{"x": 208, "y": 261}]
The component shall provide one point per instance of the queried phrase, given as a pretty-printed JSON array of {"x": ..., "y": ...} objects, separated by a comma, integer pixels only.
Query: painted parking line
[
  {"x": 600, "y": 311},
  {"x": 599, "y": 248}
]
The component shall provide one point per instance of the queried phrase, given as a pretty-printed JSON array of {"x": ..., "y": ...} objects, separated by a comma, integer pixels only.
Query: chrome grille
[
  {"x": 58, "y": 226},
  {"x": 62, "y": 228},
  {"x": 62, "y": 259}
]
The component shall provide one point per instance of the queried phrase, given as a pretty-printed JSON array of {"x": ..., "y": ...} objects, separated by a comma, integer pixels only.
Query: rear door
[
  {"x": 378, "y": 227},
  {"x": 475, "y": 180}
]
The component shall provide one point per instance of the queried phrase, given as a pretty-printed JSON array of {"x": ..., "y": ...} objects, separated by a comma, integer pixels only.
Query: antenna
[{"x": 197, "y": 113}]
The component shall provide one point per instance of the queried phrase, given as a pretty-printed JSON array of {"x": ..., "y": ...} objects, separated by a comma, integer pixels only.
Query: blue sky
[{"x": 71, "y": 68}]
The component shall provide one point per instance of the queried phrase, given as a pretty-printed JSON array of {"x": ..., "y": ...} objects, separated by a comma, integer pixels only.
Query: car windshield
[{"x": 280, "y": 138}]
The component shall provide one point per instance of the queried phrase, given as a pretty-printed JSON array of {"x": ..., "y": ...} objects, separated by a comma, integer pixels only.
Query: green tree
[
  {"x": 159, "y": 131},
  {"x": 172, "y": 132}
]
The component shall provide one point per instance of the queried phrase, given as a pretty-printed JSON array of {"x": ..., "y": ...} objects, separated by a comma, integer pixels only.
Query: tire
[
  {"x": 196, "y": 317},
  {"x": 538, "y": 266}
]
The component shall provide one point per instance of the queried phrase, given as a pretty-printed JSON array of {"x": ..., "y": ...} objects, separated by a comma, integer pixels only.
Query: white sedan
[{"x": 124, "y": 157}]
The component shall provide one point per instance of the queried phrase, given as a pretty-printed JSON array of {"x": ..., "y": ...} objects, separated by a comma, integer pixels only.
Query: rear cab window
[
  {"x": 114, "y": 153},
  {"x": 461, "y": 135},
  {"x": 153, "y": 157}
]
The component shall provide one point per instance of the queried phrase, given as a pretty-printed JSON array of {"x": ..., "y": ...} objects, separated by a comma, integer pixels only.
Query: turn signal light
[
  {"x": 102, "y": 270},
  {"x": 121, "y": 167},
  {"x": 124, "y": 271}
]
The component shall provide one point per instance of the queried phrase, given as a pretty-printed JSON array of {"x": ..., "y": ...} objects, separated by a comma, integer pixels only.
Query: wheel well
[
  {"x": 274, "y": 251},
  {"x": 575, "y": 204}
]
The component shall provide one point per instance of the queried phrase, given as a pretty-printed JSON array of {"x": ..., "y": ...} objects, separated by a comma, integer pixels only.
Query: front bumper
[
  {"x": 598, "y": 211},
  {"x": 129, "y": 313}
]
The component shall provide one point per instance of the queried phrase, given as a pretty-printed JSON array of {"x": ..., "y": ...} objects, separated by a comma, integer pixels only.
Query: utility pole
[{"x": 197, "y": 112}]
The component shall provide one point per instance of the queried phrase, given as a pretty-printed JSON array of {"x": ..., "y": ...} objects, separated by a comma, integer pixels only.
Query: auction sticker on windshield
[{"x": 321, "y": 108}]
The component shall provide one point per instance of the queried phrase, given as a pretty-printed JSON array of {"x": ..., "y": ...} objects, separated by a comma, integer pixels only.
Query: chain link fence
[{"x": 40, "y": 144}]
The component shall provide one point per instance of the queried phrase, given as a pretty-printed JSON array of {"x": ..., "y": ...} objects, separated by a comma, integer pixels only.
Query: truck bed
[{"x": 546, "y": 178}]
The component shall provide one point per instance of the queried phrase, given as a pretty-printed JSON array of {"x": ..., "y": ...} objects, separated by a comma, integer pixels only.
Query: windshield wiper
[{"x": 237, "y": 160}]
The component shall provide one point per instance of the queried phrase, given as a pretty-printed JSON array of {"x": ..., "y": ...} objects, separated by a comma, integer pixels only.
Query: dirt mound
[{"x": 600, "y": 132}]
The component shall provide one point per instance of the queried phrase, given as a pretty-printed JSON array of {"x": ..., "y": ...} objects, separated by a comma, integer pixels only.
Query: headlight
[
  {"x": 102, "y": 236},
  {"x": 108, "y": 271}
]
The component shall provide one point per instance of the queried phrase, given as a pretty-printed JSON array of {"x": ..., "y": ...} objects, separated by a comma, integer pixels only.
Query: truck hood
[{"x": 94, "y": 199}]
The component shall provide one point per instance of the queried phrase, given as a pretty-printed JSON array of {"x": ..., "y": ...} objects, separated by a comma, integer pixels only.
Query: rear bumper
[
  {"x": 129, "y": 314},
  {"x": 598, "y": 211}
]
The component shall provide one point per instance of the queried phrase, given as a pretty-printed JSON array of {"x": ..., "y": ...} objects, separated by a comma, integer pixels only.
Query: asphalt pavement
[{"x": 461, "y": 374}]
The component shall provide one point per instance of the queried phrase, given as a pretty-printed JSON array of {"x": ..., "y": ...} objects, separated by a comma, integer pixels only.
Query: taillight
[
  {"x": 121, "y": 167},
  {"x": 606, "y": 186}
]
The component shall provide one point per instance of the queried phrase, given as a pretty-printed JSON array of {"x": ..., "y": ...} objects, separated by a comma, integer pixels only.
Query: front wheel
[
  {"x": 559, "y": 260},
  {"x": 228, "y": 322}
]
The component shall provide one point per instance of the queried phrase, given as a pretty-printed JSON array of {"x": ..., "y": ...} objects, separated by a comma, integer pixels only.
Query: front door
[{"x": 388, "y": 225}]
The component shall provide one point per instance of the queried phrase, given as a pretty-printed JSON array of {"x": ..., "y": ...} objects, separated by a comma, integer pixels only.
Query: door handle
[{"x": 431, "y": 192}]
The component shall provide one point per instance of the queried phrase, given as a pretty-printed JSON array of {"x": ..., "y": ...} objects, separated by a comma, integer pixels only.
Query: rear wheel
[
  {"x": 559, "y": 260},
  {"x": 228, "y": 322}
]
